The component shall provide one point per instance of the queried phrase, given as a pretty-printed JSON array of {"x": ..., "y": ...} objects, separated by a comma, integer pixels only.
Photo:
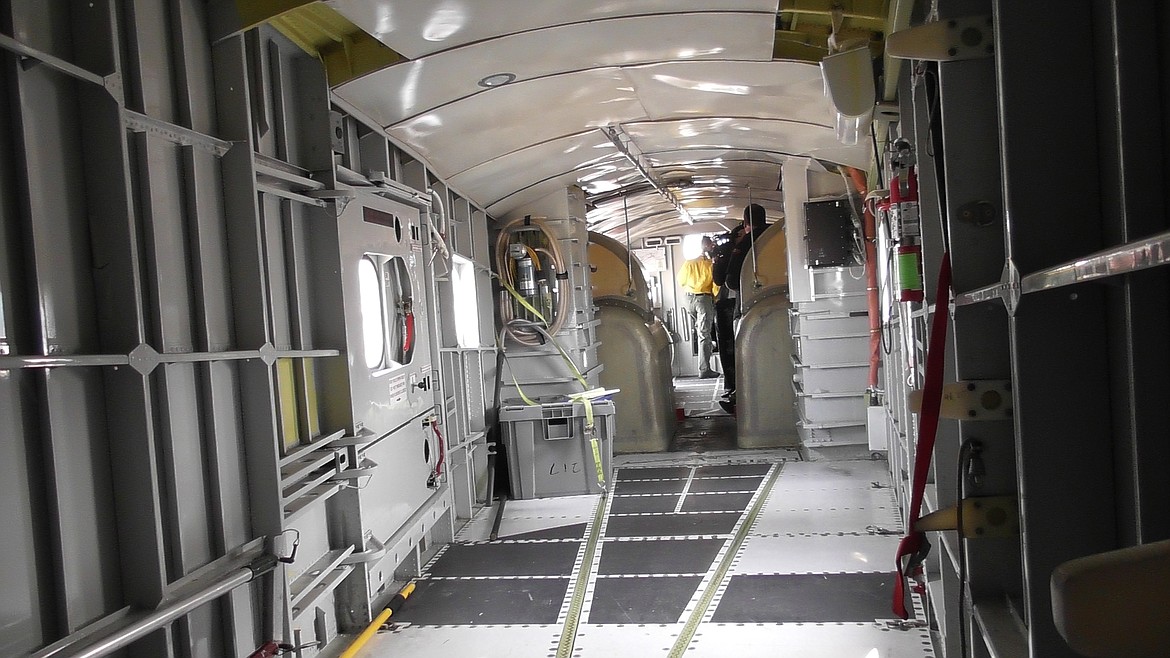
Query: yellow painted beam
[
  {"x": 287, "y": 389},
  {"x": 983, "y": 516},
  {"x": 346, "y": 51},
  {"x": 358, "y": 55},
  {"x": 230, "y": 17}
]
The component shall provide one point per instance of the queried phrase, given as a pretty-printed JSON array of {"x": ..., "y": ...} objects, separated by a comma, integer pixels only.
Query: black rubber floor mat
[
  {"x": 664, "y": 525},
  {"x": 573, "y": 531},
  {"x": 654, "y": 472},
  {"x": 641, "y": 600},
  {"x": 662, "y": 556},
  {"x": 732, "y": 469},
  {"x": 721, "y": 502},
  {"x": 727, "y": 484},
  {"x": 642, "y": 504},
  {"x": 544, "y": 559},
  {"x": 622, "y": 487},
  {"x": 850, "y": 597},
  {"x": 498, "y": 601}
]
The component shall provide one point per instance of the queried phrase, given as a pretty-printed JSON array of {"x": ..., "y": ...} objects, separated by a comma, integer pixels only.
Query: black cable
[
  {"x": 877, "y": 158},
  {"x": 968, "y": 449},
  {"x": 935, "y": 149}
]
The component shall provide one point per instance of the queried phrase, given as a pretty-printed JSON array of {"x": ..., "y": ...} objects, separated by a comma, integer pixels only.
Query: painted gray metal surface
[
  {"x": 766, "y": 404},
  {"x": 147, "y": 296},
  {"x": 636, "y": 350}
]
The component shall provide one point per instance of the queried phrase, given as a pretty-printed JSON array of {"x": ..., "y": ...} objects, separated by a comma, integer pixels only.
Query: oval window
[{"x": 373, "y": 318}]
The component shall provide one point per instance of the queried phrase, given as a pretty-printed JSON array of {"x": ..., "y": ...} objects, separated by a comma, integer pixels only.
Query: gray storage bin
[{"x": 547, "y": 451}]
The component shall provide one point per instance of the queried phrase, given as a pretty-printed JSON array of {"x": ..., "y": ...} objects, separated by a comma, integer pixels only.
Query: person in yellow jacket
[{"x": 694, "y": 277}]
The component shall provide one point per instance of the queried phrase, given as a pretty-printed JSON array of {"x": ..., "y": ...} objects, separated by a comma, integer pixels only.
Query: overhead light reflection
[
  {"x": 444, "y": 23},
  {"x": 384, "y": 24},
  {"x": 701, "y": 85}
]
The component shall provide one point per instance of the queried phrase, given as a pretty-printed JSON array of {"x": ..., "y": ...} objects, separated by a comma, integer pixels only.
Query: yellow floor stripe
[
  {"x": 700, "y": 611},
  {"x": 573, "y": 619}
]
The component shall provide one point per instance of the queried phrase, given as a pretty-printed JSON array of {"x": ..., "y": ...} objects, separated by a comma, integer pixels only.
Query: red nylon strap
[{"x": 914, "y": 541}]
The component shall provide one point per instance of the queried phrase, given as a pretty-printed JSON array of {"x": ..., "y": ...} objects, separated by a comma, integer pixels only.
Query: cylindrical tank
[
  {"x": 635, "y": 349},
  {"x": 611, "y": 277},
  {"x": 765, "y": 400}
]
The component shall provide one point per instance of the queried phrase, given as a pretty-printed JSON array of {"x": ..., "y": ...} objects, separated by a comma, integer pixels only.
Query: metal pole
[
  {"x": 165, "y": 615},
  {"x": 752, "y": 239},
  {"x": 629, "y": 251}
]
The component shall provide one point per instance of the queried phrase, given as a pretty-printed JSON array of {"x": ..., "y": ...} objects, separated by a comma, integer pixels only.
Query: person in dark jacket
[{"x": 727, "y": 264}]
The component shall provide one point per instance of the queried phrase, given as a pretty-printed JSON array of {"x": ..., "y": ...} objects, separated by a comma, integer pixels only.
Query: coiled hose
[{"x": 523, "y": 333}]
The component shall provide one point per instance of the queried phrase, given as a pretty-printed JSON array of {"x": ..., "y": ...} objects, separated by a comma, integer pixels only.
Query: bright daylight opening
[
  {"x": 692, "y": 245},
  {"x": 465, "y": 301},
  {"x": 373, "y": 319}
]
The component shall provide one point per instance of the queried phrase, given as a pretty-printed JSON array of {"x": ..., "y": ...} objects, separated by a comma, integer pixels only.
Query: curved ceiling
[{"x": 651, "y": 106}]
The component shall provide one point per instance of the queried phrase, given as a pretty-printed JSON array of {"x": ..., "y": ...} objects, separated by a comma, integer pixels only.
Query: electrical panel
[{"x": 830, "y": 233}]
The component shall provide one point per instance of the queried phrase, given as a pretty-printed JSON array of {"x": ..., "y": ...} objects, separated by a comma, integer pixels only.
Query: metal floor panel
[
  {"x": 618, "y": 640},
  {"x": 671, "y": 525},
  {"x": 641, "y": 600},
  {"x": 643, "y": 504},
  {"x": 836, "y": 474},
  {"x": 808, "y": 582},
  {"x": 803, "y": 522},
  {"x": 506, "y": 559},
  {"x": 709, "y": 485},
  {"x": 521, "y": 641},
  {"x": 658, "y": 556},
  {"x": 717, "y": 502},
  {"x": 632, "y": 487},
  {"x": 490, "y": 601},
  {"x": 571, "y": 531},
  {"x": 653, "y": 473},
  {"x": 816, "y": 554},
  {"x": 809, "y": 641},
  {"x": 825, "y": 499},
  {"x": 726, "y": 470},
  {"x": 848, "y": 597}
]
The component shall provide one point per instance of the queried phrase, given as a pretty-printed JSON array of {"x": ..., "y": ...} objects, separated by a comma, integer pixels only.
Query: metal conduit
[{"x": 166, "y": 614}]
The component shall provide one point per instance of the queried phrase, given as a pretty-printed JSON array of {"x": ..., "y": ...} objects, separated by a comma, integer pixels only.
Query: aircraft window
[
  {"x": 373, "y": 319},
  {"x": 466, "y": 302},
  {"x": 387, "y": 305}
]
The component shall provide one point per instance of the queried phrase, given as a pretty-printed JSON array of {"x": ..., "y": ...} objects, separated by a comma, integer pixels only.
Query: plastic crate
[{"x": 548, "y": 454}]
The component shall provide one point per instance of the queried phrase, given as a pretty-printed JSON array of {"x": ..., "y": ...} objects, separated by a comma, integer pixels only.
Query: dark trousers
[{"x": 725, "y": 327}]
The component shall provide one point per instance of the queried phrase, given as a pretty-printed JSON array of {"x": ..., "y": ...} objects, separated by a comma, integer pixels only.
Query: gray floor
[{"x": 808, "y": 575}]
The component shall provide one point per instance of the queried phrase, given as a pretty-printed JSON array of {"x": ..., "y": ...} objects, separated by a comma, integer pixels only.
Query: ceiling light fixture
[{"x": 497, "y": 80}]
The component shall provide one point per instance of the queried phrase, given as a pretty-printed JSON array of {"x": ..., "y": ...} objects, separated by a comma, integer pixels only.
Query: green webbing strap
[
  {"x": 591, "y": 435},
  {"x": 579, "y": 397},
  {"x": 527, "y": 400},
  {"x": 523, "y": 302}
]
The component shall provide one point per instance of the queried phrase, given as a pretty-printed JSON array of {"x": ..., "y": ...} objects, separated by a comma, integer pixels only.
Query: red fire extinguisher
[{"x": 904, "y": 216}]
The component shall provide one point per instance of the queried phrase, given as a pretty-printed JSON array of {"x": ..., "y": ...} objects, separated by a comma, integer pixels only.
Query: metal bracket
[
  {"x": 976, "y": 399},
  {"x": 907, "y": 624},
  {"x": 983, "y": 516},
  {"x": 369, "y": 555},
  {"x": 944, "y": 41}
]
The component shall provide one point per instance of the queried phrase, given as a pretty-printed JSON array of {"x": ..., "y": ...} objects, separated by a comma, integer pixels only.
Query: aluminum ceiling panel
[
  {"x": 461, "y": 135},
  {"x": 686, "y": 155},
  {"x": 416, "y": 28},
  {"x": 791, "y": 90},
  {"x": 399, "y": 92},
  {"x": 747, "y": 134},
  {"x": 511, "y": 180}
]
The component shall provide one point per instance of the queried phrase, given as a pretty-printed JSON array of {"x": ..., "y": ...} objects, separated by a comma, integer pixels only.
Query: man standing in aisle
[
  {"x": 728, "y": 264},
  {"x": 694, "y": 277}
]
